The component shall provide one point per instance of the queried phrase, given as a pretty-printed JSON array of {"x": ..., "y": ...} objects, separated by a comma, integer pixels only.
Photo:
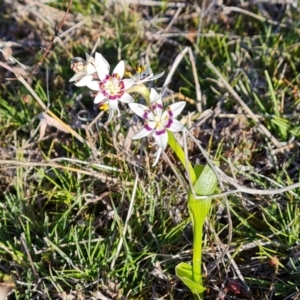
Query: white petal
[
  {"x": 157, "y": 110},
  {"x": 111, "y": 115},
  {"x": 93, "y": 85},
  {"x": 78, "y": 76},
  {"x": 175, "y": 126},
  {"x": 101, "y": 61},
  {"x": 84, "y": 81},
  {"x": 161, "y": 139},
  {"x": 154, "y": 96},
  {"x": 102, "y": 66},
  {"x": 150, "y": 125},
  {"x": 119, "y": 69},
  {"x": 99, "y": 98},
  {"x": 90, "y": 69},
  {"x": 139, "y": 109},
  {"x": 141, "y": 133},
  {"x": 113, "y": 104},
  {"x": 154, "y": 77},
  {"x": 126, "y": 98},
  {"x": 177, "y": 108},
  {"x": 151, "y": 77},
  {"x": 128, "y": 83},
  {"x": 157, "y": 155},
  {"x": 141, "y": 81},
  {"x": 156, "y": 102}
]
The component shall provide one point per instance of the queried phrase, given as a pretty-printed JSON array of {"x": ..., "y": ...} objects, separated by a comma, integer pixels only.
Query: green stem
[
  {"x": 198, "y": 211},
  {"x": 180, "y": 154},
  {"x": 205, "y": 182}
]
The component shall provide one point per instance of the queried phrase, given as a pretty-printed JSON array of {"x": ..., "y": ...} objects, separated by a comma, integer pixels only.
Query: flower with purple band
[
  {"x": 157, "y": 121},
  {"x": 110, "y": 88}
]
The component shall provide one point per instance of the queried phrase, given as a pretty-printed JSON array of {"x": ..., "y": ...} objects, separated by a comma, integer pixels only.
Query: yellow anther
[
  {"x": 104, "y": 107},
  {"x": 140, "y": 69}
]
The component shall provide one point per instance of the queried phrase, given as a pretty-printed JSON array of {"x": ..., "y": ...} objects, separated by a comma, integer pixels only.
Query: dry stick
[
  {"x": 244, "y": 105},
  {"x": 263, "y": 241},
  {"x": 241, "y": 188},
  {"x": 201, "y": 119},
  {"x": 169, "y": 26},
  {"x": 247, "y": 190},
  {"x": 197, "y": 85},
  {"x": 130, "y": 210},
  {"x": 226, "y": 252},
  {"x": 230, "y": 9},
  {"x": 15, "y": 164},
  {"x": 49, "y": 112},
  {"x": 261, "y": 116},
  {"x": 90, "y": 164},
  {"x": 94, "y": 121},
  {"x": 37, "y": 98},
  {"x": 88, "y": 130},
  {"x": 276, "y": 1},
  {"x": 69, "y": 30},
  {"x": 177, "y": 60},
  {"x": 156, "y": 3},
  {"x": 23, "y": 241},
  {"x": 264, "y": 177},
  {"x": 176, "y": 15},
  {"x": 47, "y": 50},
  {"x": 168, "y": 160},
  {"x": 188, "y": 35}
]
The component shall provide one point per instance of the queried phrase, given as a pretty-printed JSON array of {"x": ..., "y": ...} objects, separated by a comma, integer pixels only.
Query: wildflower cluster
[{"x": 94, "y": 73}]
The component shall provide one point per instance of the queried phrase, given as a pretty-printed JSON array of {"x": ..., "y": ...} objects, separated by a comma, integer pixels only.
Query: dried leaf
[
  {"x": 6, "y": 287},
  {"x": 46, "y": 120}
]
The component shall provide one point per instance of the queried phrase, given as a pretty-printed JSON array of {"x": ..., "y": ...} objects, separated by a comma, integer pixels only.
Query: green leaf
[
  {"x": 185, "y": 272},
  {"x": 199, "y": 209},
  {"x": 206, "y": 182}
]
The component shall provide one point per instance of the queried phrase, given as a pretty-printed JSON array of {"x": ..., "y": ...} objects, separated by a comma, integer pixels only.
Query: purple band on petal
[
  {"x": 157, "y": 105},
  {"x": 121, "y": 85},
  {"x": 170, "y": 113},
  {"x": 115, "y": 96},
  {"x": 147, "y": 127},
  {"x": 170, "y": 121},
  {"x": 145, "y": 114},
  {"x": 160, "y": 132},
  {"x": 116, "y": 75}
]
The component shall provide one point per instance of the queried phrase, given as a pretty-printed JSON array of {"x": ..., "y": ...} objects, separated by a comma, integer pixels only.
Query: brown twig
[
  {"x": 245, "y": 107},
  {"x": 49, "y": 47}
]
